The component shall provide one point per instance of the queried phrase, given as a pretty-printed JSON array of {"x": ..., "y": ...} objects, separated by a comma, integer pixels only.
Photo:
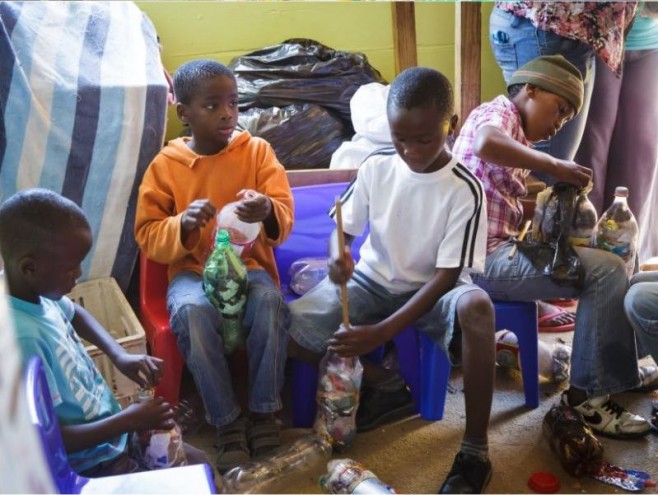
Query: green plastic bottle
[{"x": 225, "y": 284}]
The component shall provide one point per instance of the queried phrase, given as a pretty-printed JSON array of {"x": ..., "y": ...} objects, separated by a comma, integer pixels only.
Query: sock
[{"x": 475, "y": 447}]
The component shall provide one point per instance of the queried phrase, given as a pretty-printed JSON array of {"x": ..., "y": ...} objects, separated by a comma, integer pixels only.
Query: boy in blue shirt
[
  {"x": 43, "y": 239},
  {"x": 427, "y": 218}
]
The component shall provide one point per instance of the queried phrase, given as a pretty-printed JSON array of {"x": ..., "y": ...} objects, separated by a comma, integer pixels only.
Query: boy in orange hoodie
[{"x": 183, "y": 188}]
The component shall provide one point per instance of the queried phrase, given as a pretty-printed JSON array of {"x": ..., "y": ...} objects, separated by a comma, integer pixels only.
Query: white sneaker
[{"x": 610, "y": 419}]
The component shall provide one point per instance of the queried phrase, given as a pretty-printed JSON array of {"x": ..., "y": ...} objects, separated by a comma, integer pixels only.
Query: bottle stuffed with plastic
[
  {"x": 349, "y": 476},
  {"x": 158, "y": 449},
  {"x": 225, "y": 284},
  {"x": 617, "y": 230},
  {"x": 339, "y": 385}
]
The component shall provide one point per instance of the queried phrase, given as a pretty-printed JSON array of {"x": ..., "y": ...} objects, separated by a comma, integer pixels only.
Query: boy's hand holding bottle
[
  {"x": 150, "y": 414},
  {"x": 570, "y": 172},
  {"x": 254, "y": 206}
]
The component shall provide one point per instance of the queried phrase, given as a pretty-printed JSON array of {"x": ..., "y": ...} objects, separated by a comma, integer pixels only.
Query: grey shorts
[{"x": 317, "y": 314}]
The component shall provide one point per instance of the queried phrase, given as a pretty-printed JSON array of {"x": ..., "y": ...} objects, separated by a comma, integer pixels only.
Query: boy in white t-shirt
[{"x": 428, "y": 229}]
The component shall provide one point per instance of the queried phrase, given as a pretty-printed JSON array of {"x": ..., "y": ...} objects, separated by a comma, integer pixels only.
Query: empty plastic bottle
[
  {"x": 242, "y": 235},
  {"x": 617, "y": 230},
  {"x": 225, "y": 284},
  {"x": 304, "y": 457},
  {"x": 349, "y": 476}
]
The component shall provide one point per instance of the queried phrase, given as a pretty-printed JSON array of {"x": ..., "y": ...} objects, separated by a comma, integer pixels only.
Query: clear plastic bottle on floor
[
  {"x": 225, "y": 284},
  {"x": 157, "y": 449},
  {"x": 349, "y": 476},
  {"x": 617, "y": 230},
  {"x": 304, "y": 457}
]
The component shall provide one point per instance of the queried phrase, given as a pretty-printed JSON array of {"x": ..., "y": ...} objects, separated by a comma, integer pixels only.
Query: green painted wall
[{"x": 224, "y": 30}]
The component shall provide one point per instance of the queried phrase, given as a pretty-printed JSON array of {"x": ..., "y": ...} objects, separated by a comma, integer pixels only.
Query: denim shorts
[{"x": 317, "y": 314}]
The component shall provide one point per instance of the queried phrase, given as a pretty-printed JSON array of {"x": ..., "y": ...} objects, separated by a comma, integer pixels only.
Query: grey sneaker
[
  {"x": 609, "y": 419},
  {"x": 231, "y": 445}
]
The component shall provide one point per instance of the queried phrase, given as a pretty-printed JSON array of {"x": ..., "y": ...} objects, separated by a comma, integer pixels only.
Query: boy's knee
[
  {"x": 296, "y": 351},
  {"x": 475, "y": 310}
]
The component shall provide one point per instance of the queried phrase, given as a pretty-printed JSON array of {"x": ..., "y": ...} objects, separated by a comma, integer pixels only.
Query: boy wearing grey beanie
[{"x": 495, "y": 144}]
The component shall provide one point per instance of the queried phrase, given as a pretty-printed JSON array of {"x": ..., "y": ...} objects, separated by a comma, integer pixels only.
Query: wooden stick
[
  {"x": 522, "y": 234},
  {"x": 341, "y": 248}
]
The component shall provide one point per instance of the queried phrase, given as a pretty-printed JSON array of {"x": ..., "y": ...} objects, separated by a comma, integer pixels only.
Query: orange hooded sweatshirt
[{"x": 177, "y": 176}]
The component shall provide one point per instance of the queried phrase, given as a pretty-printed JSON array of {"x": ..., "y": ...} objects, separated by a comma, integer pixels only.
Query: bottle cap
[
  {"x": 542, "y": 482},
  {"x": 222, "y": 236},
  {"x": 621, "y": 191}
]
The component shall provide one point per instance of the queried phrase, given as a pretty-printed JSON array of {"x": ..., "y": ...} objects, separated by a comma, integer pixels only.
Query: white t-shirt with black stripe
[{"x": 418, "y": 222}]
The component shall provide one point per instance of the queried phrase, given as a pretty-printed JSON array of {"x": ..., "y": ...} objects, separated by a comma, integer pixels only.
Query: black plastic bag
[
  {"x": 557, "y": 259},
  {"x": 548, "y": 247},
  {"x": 303, "y": 136},
  {"x": 301, "y": 71}
]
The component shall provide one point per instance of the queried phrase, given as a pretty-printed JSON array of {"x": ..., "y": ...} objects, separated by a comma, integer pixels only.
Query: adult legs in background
[
  {"x": 514, "y": 42},
  {"x": 634, "y": 147}
]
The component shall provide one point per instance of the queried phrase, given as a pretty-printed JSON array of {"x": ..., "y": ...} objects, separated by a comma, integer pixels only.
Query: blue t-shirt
[
  {"x": 644, "y": 33},
  {"x": 79, "y": 392}
]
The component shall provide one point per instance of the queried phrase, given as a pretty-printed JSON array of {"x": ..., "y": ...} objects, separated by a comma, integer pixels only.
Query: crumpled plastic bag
[
  {"x": 368, "y": 106},
  {"x": 302, "y": 70},
  {"x": 302, "y": 135}
]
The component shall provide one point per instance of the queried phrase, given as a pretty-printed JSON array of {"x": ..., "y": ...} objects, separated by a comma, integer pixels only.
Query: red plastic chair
[{"x": 155, "y": 320}]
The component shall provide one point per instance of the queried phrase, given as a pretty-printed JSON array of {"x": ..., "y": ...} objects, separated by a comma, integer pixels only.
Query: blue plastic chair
[
  {"x": 423, "y": 365},
  {"x": 185, "y": 479}
]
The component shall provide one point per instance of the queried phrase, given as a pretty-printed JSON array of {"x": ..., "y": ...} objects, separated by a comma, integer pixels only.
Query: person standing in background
[
  {"x": 620, "y": 142},
  {"x": 524, "y": 30}
]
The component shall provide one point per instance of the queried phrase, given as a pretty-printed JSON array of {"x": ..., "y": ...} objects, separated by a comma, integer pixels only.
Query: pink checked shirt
[
  {"x": 600, "y": 25},
  {"x": 504, "y": 186}
]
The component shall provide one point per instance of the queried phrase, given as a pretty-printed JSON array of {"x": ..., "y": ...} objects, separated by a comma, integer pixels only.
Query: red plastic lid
[{"x": 541, "y": 482}]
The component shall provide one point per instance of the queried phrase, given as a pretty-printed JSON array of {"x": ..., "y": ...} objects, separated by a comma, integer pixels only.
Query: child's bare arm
[
  {"x": 142, "y": 369},
  {"x": 493, "y": 145},
  {"x": 143, "y": 415},
  {"x": 363, "y": 339}
]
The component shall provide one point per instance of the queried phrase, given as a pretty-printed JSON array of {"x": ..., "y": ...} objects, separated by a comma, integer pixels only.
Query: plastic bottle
[
  {"x": 242, "y": 235},
  {"x": 554, "y": 360},
  {"x": 617, "y": 230},
  {"x": 225, "y": 284},
  {"x": 339, "y": 384},
  {"x": 584, "y": 220},
  {"x": 306, "y": 273},
  {"x": 304, "y": 457},
  {"x": 348, "y": 476},
  {"x": 157, "y": 449},
  {"x": 579, "y": 450}
]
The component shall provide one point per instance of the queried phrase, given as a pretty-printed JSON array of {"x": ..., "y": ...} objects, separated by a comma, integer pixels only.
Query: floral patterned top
[{"x": 601, "y": 25}]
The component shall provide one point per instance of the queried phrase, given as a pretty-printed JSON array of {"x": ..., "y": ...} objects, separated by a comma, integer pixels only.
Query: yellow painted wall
[{"x": 224, "y": 30}]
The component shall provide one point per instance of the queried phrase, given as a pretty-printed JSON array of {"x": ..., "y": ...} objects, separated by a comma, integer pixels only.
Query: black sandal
[{"x": 264, "y": 436}]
